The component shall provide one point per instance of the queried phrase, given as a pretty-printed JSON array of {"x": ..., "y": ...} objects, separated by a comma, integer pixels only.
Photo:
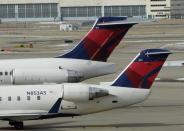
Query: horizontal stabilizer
[
  {"x": 117, "y": 23},
  {"x": 157, "y": 53}
]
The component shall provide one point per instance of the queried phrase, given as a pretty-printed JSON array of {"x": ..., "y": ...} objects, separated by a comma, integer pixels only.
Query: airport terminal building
[
  {"x": 177, "y": 9},
  {"x": 54, "y": 10}
]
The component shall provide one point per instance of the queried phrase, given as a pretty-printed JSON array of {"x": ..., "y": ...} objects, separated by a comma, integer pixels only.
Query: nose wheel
[{"x": 17, "y": 125}]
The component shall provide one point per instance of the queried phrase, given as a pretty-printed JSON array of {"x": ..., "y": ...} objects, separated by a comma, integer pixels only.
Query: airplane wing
[
  {"x": 21, "y": 114},
  {"x": 29, "y": 114}
]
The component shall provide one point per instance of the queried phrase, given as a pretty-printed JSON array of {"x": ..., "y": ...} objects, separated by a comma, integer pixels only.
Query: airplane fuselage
[
  {"x": 51, "y": 70},
  {"x": 26, "y": 102}
]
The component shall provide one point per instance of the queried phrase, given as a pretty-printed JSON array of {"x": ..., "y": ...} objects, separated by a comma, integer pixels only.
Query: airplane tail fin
[
  {"x": 142, "y": 71},
  {"x": 101, "y": 40}
]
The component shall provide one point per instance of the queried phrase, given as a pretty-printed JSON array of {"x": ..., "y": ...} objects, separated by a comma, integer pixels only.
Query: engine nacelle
[
  {"x": 40, "y": 76},
  {"x": 82, "y": 93}
]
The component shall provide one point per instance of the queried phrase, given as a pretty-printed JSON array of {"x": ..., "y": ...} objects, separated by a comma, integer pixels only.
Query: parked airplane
[
  {"x": 86, "y": 60},
  {"x": 30, "y": 102}
]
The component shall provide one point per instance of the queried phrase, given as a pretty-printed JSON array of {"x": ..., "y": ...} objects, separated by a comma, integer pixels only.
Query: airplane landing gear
[{"x": 17, "y": 125}]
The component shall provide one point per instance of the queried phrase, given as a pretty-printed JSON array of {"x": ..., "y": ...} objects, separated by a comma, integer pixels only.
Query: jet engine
[
  {"x": 82, "y": 93},
  {"x": 40, "y": 76}
]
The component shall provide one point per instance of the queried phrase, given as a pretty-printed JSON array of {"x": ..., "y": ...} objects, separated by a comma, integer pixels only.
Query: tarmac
[{"x": 163, "y": 110}]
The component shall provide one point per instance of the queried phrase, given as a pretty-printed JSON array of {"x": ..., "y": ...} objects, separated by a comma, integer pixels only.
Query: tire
[{"x": 19, "y": 125}]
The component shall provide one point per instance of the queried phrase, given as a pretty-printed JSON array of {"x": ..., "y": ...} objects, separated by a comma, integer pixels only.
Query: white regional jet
[
  {"x": 86, "y": 60},
  {"x": 32, "y": 102}
]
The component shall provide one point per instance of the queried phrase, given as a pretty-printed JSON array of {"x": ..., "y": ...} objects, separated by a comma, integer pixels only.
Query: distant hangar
[{"x": 54, "y": 10}]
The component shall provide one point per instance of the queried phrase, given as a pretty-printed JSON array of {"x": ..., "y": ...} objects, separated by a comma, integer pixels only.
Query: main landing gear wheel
[{"x": 17, "y": 125}]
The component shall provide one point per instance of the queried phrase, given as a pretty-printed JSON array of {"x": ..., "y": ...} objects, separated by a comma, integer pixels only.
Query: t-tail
[
  {"x": 101, "y": 40},
  {"x": 143, "y": 70}
]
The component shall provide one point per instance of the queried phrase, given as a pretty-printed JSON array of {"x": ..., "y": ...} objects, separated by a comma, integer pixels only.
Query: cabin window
[
  {"x": 6, "y": 73},
  {"x": 18, "y": 98},
  {"x": 0, "y": 98},
  {"x": 1, "y": 73},
  {"x": 38, "y": 97},
  {"x": 9, "y": 98},
  {"x": 28, "y": 98}
]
